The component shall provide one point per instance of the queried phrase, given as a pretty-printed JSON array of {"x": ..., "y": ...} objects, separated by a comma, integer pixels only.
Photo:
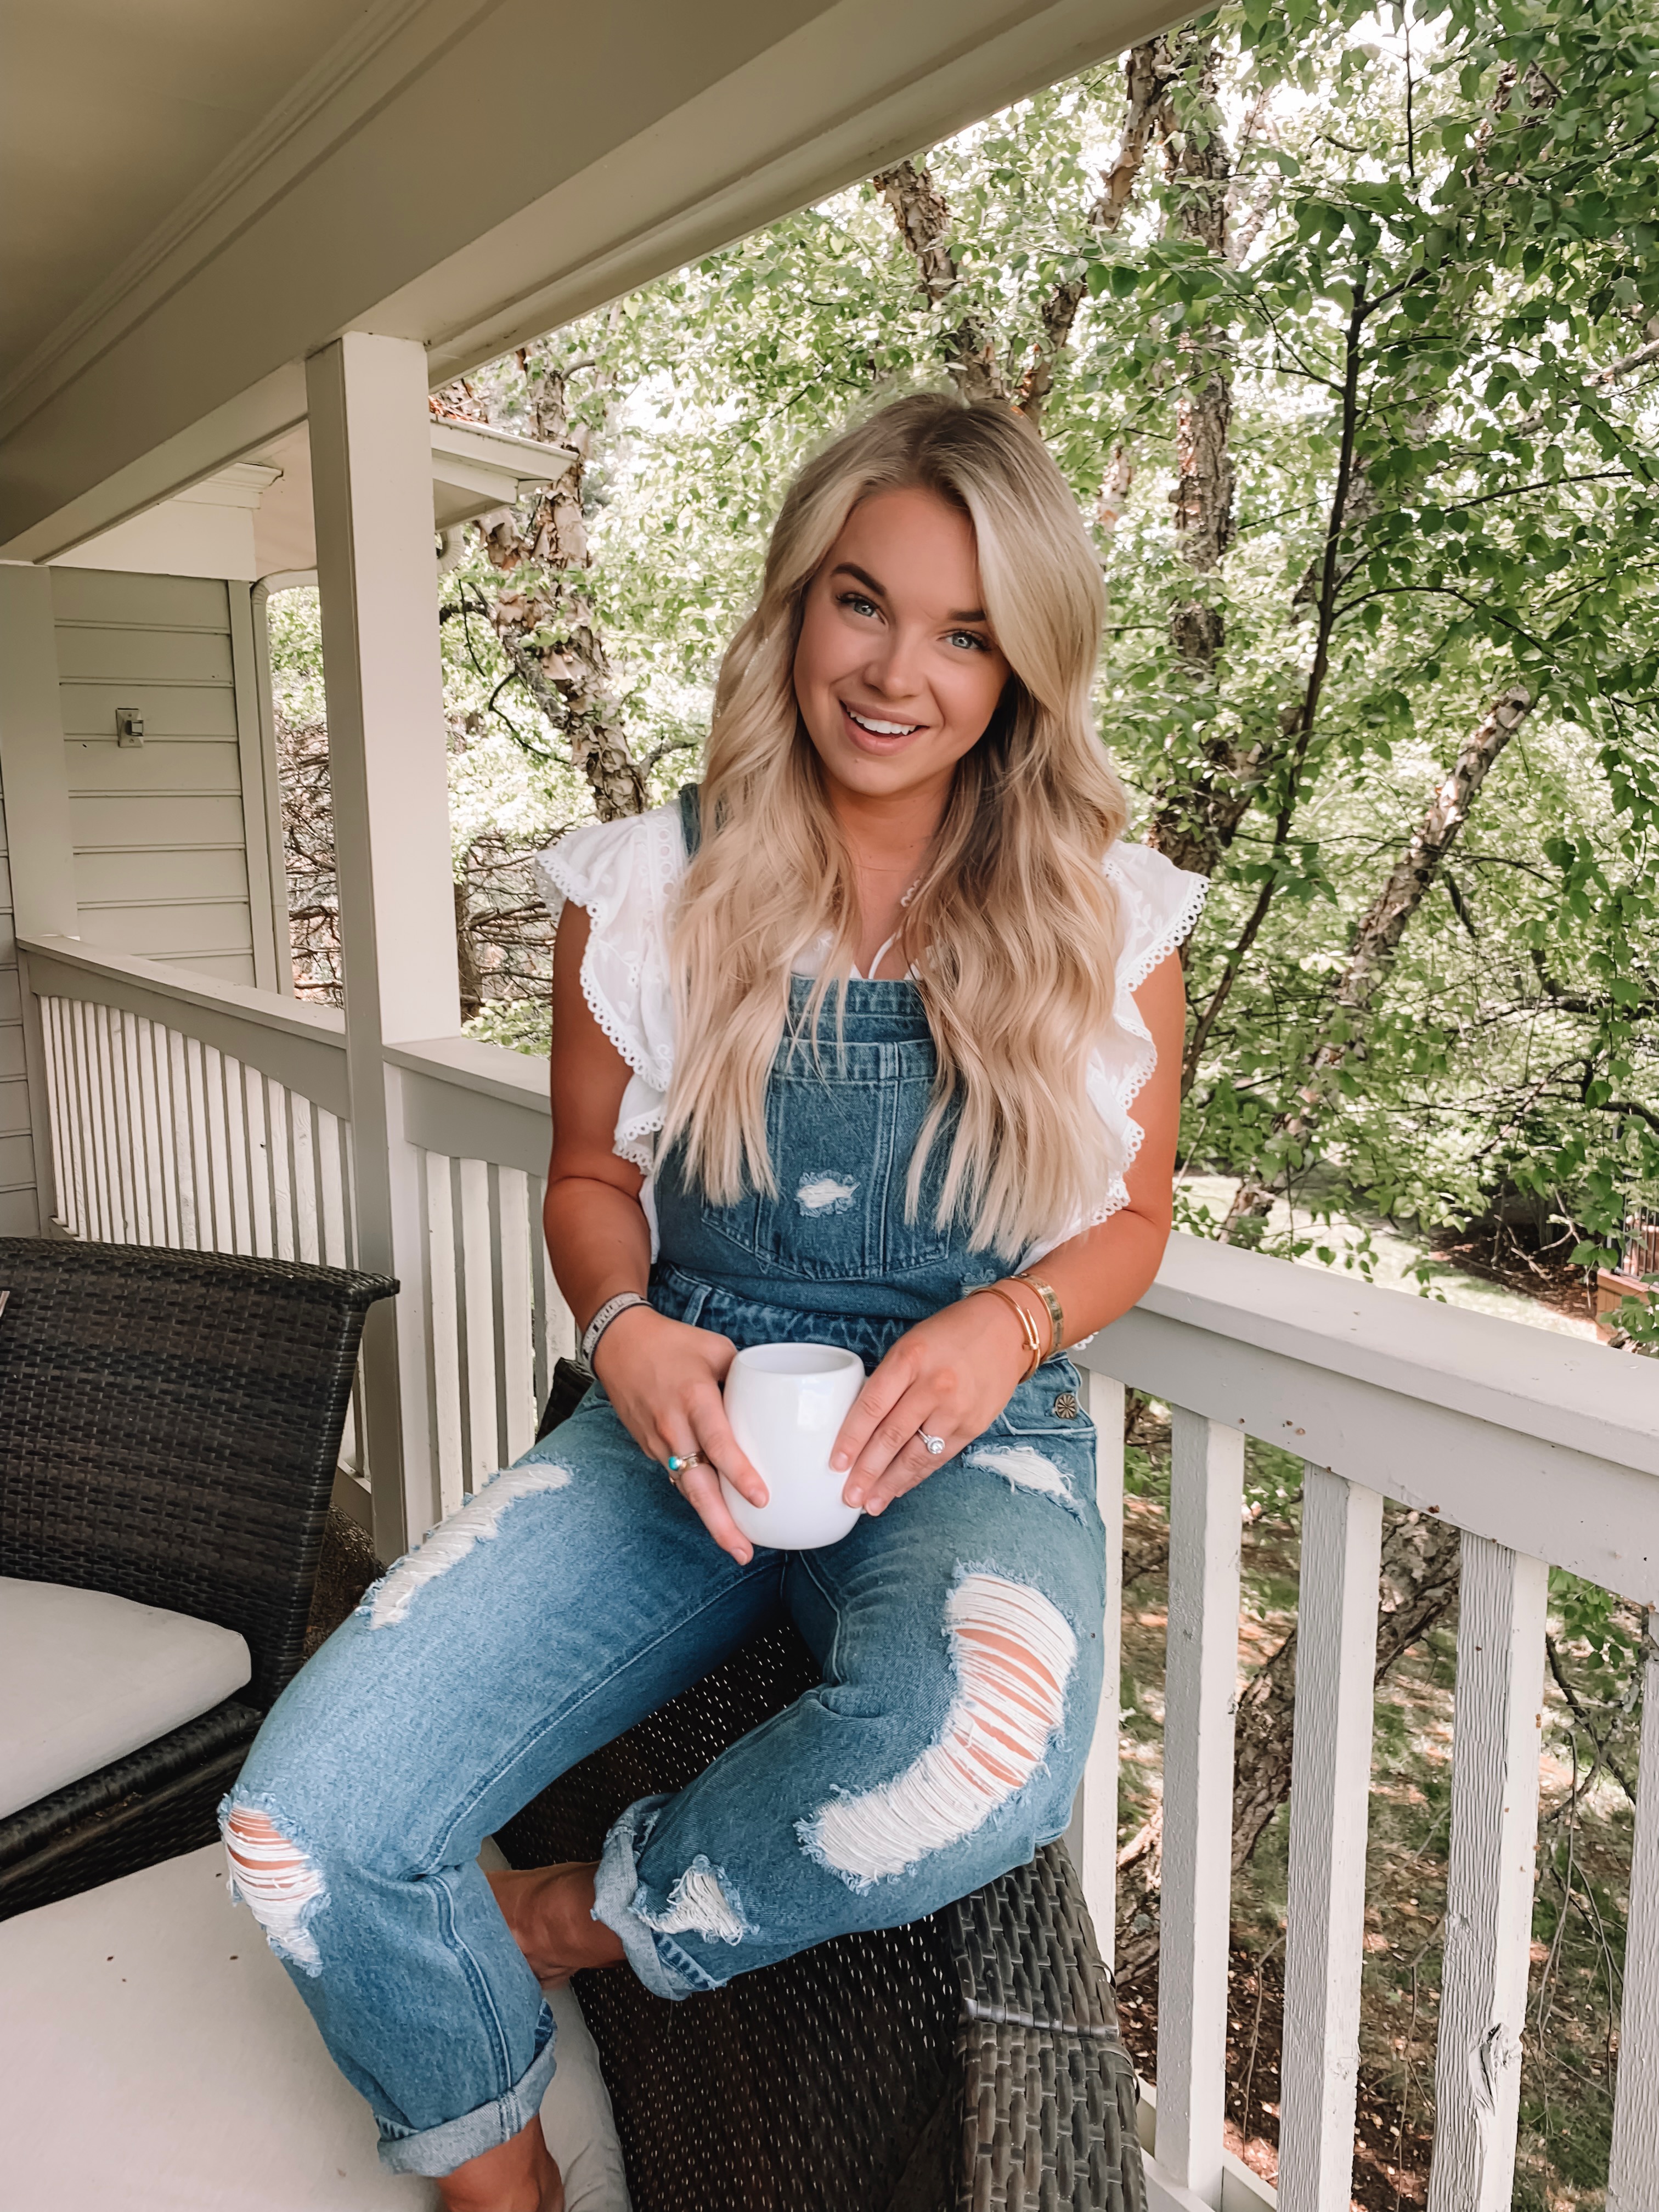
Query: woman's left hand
[{"x": 951, "y": 1376}]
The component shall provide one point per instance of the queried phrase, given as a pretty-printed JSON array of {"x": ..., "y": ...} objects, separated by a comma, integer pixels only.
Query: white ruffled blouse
[{"x": 626, "y": 873}]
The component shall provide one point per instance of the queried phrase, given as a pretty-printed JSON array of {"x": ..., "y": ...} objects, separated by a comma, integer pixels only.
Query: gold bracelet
[
  {"x": 1028, "y": 1327},
  {"x": 1050, "y": 1299}
]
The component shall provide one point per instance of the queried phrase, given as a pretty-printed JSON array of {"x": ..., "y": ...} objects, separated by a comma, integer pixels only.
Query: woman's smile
[{"x": 875, "y": 732}]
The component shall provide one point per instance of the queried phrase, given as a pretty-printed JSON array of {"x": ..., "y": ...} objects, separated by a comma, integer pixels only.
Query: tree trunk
[
  {"x": 546, "y": 623},
  {"x": 1196, "y": 814},
  {"x": 1147, "y": 72},
  {"x": 923, "y": 216},
  {"x": 1420, "y": 1563},
  {"x": 1377, "y": 939},
  {"x": 467, "y": 957}
]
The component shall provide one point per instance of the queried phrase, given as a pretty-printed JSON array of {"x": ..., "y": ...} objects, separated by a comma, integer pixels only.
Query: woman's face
[{"x": 897, "y": 671}]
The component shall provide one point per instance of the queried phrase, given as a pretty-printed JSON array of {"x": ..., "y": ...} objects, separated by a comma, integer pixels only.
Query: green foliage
[{"x": 1445, "y": 293}]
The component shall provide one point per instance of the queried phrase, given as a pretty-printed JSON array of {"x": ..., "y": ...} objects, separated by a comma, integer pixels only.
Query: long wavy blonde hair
[{"x": 1015, "y": 925}]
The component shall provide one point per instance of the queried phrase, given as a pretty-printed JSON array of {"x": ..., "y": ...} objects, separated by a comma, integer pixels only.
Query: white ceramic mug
[{"x": 786, "y": 1402}]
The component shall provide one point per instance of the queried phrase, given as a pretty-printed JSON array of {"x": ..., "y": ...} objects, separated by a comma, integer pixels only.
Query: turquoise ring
[{"x": 677, "y": 1466}]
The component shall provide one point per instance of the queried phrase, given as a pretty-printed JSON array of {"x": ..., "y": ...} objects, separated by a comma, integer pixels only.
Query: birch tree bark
[
  {"x": 922, "y": 215},
  {"x": 545, "y": 620},
  {"x": 1147, "y": 73}
]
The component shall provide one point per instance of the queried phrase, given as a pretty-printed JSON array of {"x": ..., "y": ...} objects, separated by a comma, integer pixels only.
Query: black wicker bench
[
  {"x": 170, "y": 1424},
  {"x": 967, "y": 2061}
]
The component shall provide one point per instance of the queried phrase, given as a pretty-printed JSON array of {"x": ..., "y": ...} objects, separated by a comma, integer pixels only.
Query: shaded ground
[
  {"x": 1584, "y": 1846},
  {"x": 1497, "y": 1254}
]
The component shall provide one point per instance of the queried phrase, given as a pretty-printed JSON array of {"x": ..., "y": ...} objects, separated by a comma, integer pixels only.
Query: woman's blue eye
[
  {"x": 969, "y": 637},
  {"x": 857, "y": 600}
]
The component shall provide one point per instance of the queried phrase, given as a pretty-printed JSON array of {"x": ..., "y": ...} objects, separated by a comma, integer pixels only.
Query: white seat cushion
[
  {"x": 85, "y": 1678},
  {"x": 155, "y": 2056}
]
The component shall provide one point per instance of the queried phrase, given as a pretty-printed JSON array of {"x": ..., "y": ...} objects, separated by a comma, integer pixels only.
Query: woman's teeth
[{"x": 885, "y": 729}]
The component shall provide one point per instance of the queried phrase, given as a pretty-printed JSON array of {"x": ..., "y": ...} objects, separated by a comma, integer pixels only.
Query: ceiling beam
[{"x": 470, "y": 173}]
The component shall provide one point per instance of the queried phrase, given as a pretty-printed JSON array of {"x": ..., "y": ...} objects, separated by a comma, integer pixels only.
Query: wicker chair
[
  {"x": 169, "y": 1427},
  {"x": 968, "y": 2062}
]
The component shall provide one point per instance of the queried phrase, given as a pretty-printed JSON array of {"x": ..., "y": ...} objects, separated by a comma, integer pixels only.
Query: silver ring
[
  {"x": 935, "y": 1444},
  {"x": 677, "y": 1467}
]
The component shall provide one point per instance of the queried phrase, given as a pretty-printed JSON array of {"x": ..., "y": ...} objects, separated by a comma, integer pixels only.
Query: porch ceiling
[
  {"x": 220, "y": 187},
  {"x": 115, "y": 113}
]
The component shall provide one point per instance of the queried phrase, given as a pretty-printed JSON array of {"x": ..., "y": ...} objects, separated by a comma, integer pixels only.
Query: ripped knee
[
  {"x": 1013, "y": 1652},
  {"x": 278, "y": 1883}
]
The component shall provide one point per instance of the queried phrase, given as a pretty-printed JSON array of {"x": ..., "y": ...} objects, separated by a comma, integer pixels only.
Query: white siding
[
  {"x": 160, "y": 830},
  {"x": 19, "y": 1215}
]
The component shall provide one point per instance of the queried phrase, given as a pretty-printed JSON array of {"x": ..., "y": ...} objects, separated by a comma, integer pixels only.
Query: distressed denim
[{"x": 958, "y": 1634}]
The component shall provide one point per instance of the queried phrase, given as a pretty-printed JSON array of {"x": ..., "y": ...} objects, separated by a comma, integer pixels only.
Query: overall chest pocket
[{"x": 841, "y": 1145}]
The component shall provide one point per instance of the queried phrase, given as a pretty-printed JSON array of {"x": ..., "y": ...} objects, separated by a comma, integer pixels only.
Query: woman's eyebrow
[
  {"x": 860, "y": 575},
  {"x": 864, "y": 577}
]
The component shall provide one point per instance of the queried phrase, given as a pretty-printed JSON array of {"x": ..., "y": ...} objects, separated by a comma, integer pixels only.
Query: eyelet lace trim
[
  {"x": 661, "y": 855},
  {"x": 1159, "y": 941},
  {"x": 556, "y": 873}
]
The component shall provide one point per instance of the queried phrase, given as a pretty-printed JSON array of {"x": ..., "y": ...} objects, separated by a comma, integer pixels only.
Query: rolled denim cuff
[
  {"x": 659, "y": 1962},
  {"x": 440, "y": 2150}
]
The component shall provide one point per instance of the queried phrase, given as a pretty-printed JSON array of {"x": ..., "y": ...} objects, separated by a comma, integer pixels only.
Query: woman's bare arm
[
  {"x": 597, "y": 1233},
  {"x": 1100, "y": 1274}
]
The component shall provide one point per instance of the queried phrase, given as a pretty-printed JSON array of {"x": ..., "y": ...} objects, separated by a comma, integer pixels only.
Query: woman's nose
[{"x": 895, "y": 669}]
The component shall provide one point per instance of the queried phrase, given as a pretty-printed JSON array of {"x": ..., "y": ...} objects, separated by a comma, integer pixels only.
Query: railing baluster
[
  {"x": 167, "y": 1148},
  {"x": 348, "y": 1198},
  {"x": 1092, "y": 1836},
  {"x": 478, "y": 1316},
  {"x": 1496, "y": 1714},
  {"x": 149, "y": 1113},
  {"x": 1633, "y": 2173},
  {"x": 517, "y": 1382},
  {"x": 279, "y": 1135},
  {"x": 307, "y": 1180},
  {"x": 330, "y": 1192},
  {"x": 87, "y": 1114},
  {"x": 103, "y": 1123},
  {"x": 204, "y": 1182},
  {"x": 120, "y": 1110},
  {"x": 129, "y": 1127},
  {"x": 71, "y": 1196},
  {"x": 541, "y": 1285},
  {"x": 1206, "y": 1495},
  {"x": 104, "y": 1184},
  {"x": 444, "y": 1347},
  {"x": 234, "y": 1100},
  {"x": 1330, "y": 1805},
  {"x": 251, "y": 1085},
  {"x": 103, "y": 1224},
  {"x": 182, "y": 1087}
]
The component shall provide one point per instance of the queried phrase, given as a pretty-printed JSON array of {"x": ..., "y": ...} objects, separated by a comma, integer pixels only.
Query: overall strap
[{"x": 691, "y": 818}]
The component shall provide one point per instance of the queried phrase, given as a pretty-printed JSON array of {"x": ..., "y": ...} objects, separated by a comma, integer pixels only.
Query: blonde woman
[{"x": 872, "y": 1041}]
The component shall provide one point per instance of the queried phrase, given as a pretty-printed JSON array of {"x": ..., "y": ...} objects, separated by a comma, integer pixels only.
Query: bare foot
[
  {"x": 515, "y": 2177},
  {"x": 549, "y": 1913}
]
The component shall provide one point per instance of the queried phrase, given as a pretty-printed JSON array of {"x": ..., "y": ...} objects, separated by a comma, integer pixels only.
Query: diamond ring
[{"x": 935, "y": 1444}]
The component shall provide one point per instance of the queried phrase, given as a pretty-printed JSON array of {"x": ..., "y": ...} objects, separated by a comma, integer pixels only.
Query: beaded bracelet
[{"x": 1050, "y": 1299}]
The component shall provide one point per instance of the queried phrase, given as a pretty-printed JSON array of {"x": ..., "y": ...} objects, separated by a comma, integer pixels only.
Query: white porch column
[{"x": 371, "y": 462}]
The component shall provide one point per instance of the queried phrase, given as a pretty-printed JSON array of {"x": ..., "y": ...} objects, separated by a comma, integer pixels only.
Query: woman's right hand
[{"x": 664, "y": 1379}]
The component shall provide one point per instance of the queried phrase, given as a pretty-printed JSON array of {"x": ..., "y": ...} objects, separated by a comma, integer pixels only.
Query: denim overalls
[{"x": 959, "y": 1636}]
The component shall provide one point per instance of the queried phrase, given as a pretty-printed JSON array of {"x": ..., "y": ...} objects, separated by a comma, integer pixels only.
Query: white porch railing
[
  {"x": 188, "y": 1112},
  {"x": 199, "y": 1113}
]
